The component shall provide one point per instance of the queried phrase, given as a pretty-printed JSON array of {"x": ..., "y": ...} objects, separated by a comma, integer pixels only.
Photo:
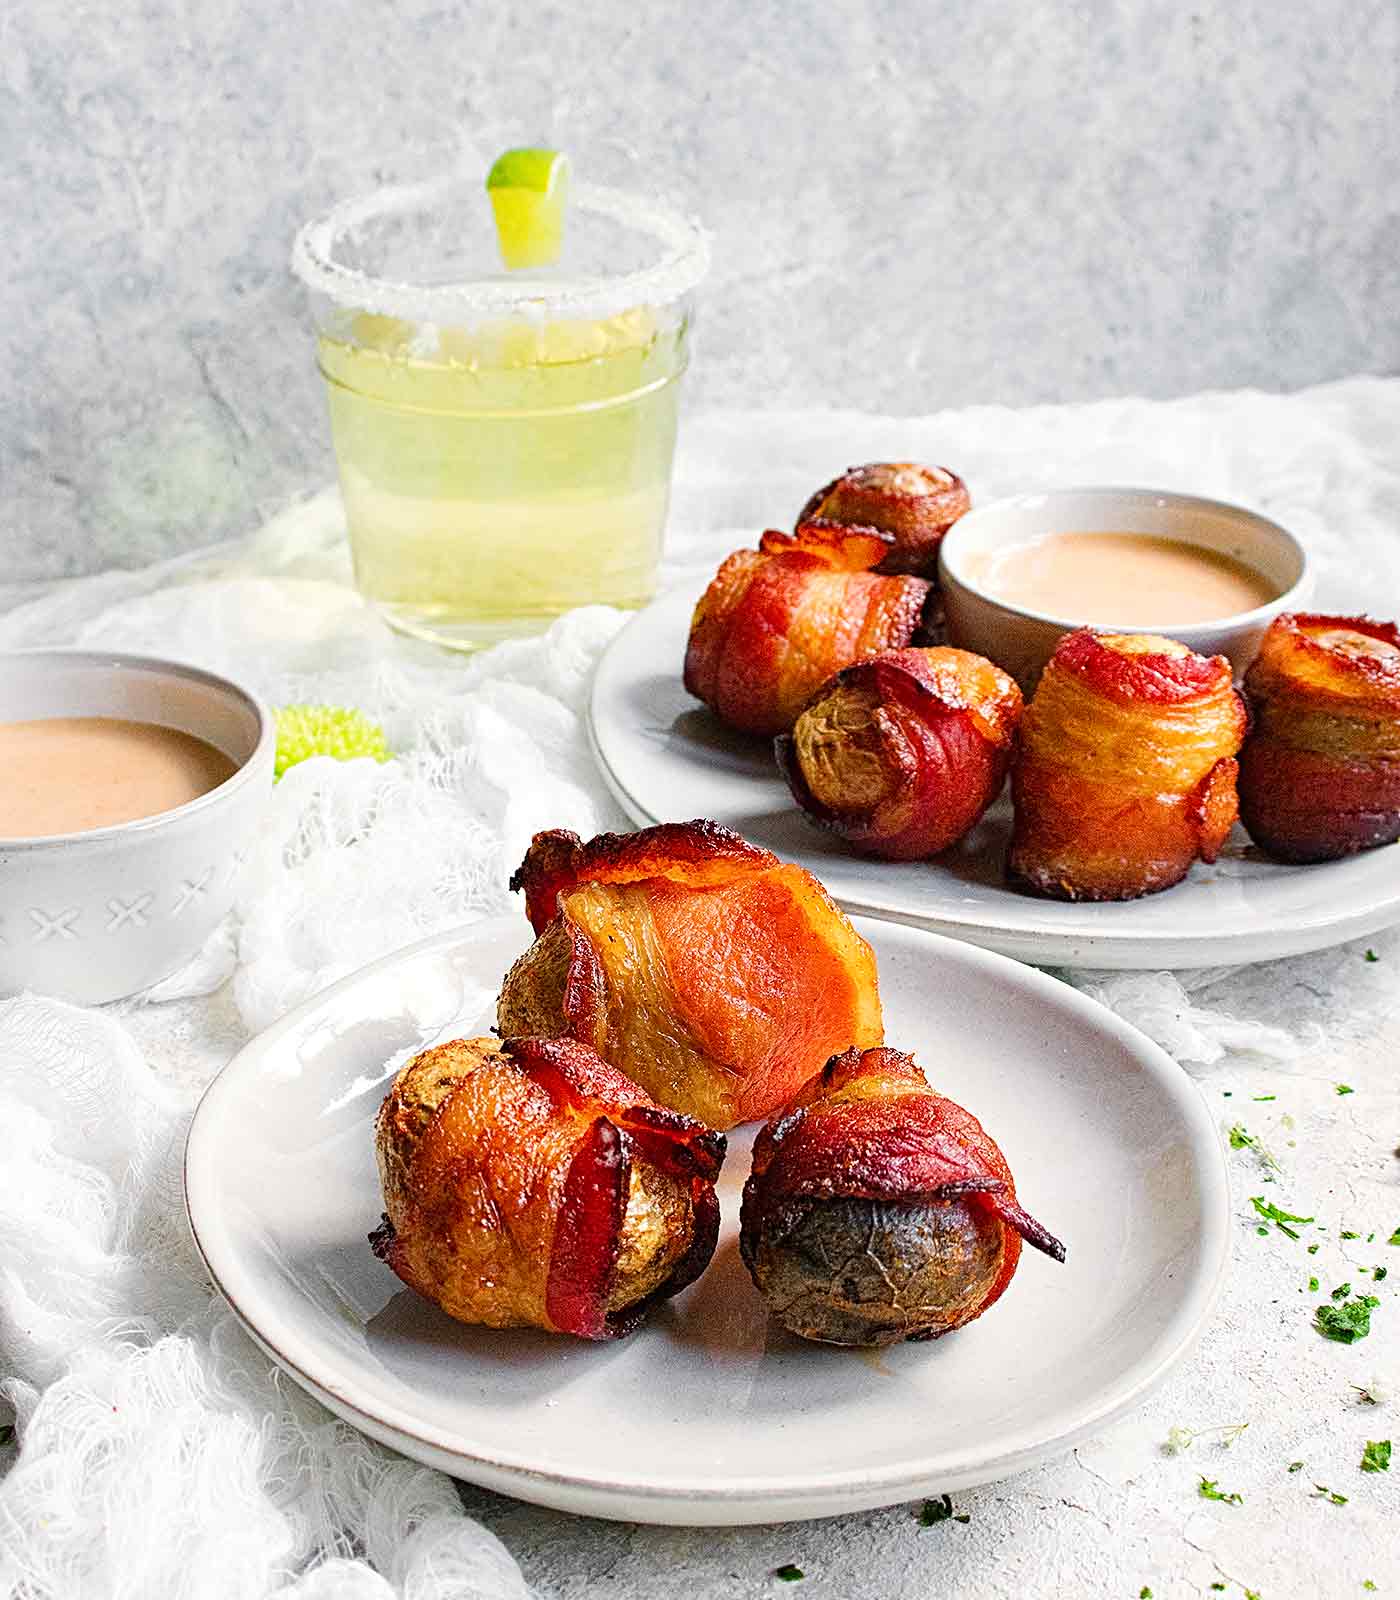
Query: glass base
[{"x": 466, "y": 635}]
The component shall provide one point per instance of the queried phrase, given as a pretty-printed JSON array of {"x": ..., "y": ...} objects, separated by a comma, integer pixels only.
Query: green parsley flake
[
  {"x": 1345, "y": 1088},
  {"x": 1394, "y": 1238},
  {"x": 1144, "y": 1593},
  {"x": 1295, "y": 1466},
  {"x": 1341, "y": 1291},
  {"x": 1372, "y": 956},
  {"x": 1380, "y": 1273},
  {"x": 1376, "y": 1456},
  {"x": 1330, "y": 1494},
  {"x": 1262, "y": 1097},
  {"x": 789, "y": 1573},
  {"x": 1368, "y": 1585},
  {"x": 1346, "y": 1323},
  {"x": 1312, "y": 1249},
  {"x": 941, "y": 1510},
  {"x": 1350, "y": 1233},
  {"x": 1209, "y": 1489},
  {"x": 1312, "y": 1285},
  {"x": 1280, "y": 1219},
  {"x": 1239, "y": 1139}
]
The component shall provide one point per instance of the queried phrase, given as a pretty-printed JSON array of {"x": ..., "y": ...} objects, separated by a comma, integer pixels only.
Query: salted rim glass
[{"x": 425, "y": 253}]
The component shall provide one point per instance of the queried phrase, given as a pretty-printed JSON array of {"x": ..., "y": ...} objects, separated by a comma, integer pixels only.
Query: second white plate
[
  {"x": 710, "y": 1413},
  {"x": 667, "y": 759}
]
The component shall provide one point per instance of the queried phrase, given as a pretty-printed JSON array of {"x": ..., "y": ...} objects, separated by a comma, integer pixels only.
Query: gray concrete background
[{"x": 915, "y": 206}]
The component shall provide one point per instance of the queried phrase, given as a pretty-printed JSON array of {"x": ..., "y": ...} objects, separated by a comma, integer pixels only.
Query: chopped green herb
[
  {"x": 1266, "y": 1097},
  {"x": 1295, "y": 1466},
  {"x": 1376, "y": 1456},
  {"x": 1341, "y": 1291},
  {"x": 1380, "y": 1273},
  {"x": 789, "y": 1573},
  {"x": 1144, "y": 1593},
  {"x": 1209, "y": 1489},
  {"x": 1330, "y": 1494},
  {"x": 1228, "y": 1093},
  {"x": 1312, "y": 1249},
  {"x": 1368, "y": 1585},
  {"x": 1280, "y": 1219},
  {"x": 1262, "y": 1230},
  {"x": 1372, "y": 956},
  {"x": 940, "y": 1510},
  {"x": 1350, "y": 1233},
  {"x": 1394, "y": 1238},
  {"x": 1239, "y": 1139},
  {"x": 1345, "y": 1088},
  {"x": 1346, "y": 1323},
  {"x": 1312, "y": 1285}
]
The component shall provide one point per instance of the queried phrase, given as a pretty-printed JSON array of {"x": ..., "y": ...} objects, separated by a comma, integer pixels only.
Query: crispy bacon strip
[
  {"x": 1126, "y": 771},
  {"x": 708, "y": 971},
  {"x": 777, "y": 621},
  {"x": 916, "y": 505},
  {"x": 1320, "y": 771},
  {"x": 869, "y": 1128},
  {"x": 510, "y": 1195},
  {"x": 902, "y": 753}
]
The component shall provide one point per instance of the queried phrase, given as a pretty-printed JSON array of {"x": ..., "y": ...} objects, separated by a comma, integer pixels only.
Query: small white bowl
[
  {"x": 1022, "y": 640},
  {"x": 99, "y": 915}
]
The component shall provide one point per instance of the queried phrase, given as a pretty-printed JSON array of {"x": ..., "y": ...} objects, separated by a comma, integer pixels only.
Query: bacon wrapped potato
[
  {"x": 1320, "y": 771},
  {"x": 777, "y": 621},
  {"x": 530, "y": 1184},
  {"x": 916, "y": 505},
  {"x": 901, "y": 753},
  {"x": 1126, "y": 769},
  {"x": 878, "y": 1210},
  {"x": 708, "y": 971}
]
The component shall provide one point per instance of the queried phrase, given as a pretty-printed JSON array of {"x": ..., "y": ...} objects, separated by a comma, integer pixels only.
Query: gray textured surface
[{"x": 913, "y": 206}]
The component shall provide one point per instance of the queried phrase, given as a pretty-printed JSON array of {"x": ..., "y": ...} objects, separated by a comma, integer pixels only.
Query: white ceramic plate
[
  {"x": 708, "y": 1414},
  {"x": 667, "y": 759}
]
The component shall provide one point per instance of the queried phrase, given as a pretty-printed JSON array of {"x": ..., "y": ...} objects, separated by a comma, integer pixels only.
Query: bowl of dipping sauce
[
  {"x": 1019, "y": 574},
  {"x": 133, "y": 792}
]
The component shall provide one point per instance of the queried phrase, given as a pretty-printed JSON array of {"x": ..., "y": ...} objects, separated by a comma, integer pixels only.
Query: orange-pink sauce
[{"x": 71, "y": 774}]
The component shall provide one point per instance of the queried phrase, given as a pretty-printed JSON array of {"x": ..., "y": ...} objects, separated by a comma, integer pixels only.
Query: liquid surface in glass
[{"x": 497, "y": 478}]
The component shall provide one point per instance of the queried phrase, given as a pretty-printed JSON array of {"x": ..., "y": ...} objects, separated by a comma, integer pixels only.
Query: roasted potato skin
[
  {"x": 1320, "y": 770},
  {"x": 777, "y": 621},
  {"x": 914, "y": 504},
  {"x": 1125, "y": 774},
  {"x": 878, "y": 1210},
  {"x": 528, "y": 1184},
  {"x": 708, "y": 971},
  {"x": 875, "y": 1272},
  {"x": 902, "y": 753}
]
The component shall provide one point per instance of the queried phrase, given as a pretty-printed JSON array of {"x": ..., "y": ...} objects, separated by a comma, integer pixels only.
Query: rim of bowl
[
  {"x": 1161, "y": 496},
  {"x": 683, "y": 264},
  {"x": 241, "y": 776}
]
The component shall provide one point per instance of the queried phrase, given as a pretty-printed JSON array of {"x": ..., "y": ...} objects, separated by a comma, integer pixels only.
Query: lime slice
[{"x": 529, "y": 190}]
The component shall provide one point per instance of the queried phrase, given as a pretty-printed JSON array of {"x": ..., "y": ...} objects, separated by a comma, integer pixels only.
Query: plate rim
[
  {"x": 1105, "y": 946},
  {"x": 677, "y": 1501}
]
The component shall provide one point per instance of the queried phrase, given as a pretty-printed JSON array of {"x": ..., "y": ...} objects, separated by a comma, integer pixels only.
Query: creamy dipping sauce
[
  {"x": 71, "y": 774},
  {"x": 1122, "y": 578}
]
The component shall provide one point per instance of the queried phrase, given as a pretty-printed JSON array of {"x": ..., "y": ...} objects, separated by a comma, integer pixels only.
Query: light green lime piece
[
  {"x": 529, "y": 191},
  {"x": 338, "y": 731}
]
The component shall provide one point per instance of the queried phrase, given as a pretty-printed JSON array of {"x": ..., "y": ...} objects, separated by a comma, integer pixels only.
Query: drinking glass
[{"x": 504, "y": 439}]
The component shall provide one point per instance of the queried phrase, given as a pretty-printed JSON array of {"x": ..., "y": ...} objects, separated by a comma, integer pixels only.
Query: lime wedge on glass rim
[{"x": 529, "y": 190}]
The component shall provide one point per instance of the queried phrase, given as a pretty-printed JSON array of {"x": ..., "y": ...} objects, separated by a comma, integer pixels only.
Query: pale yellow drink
[
  {"x": 504, "y": 442},
  {"x": 510, "y": 474}
]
